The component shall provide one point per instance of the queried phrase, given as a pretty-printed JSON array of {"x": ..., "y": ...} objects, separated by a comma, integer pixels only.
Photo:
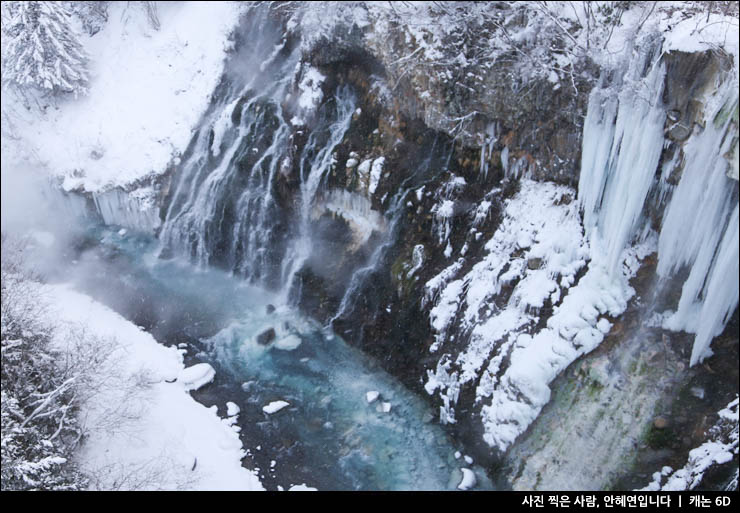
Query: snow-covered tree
[
  {"x": 92, "y": 14},
  {"x": 43, "y": 50},
  {"x": 37, "y": 390}
]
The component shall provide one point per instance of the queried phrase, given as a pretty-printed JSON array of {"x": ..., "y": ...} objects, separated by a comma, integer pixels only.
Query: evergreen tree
[{"x": 43, "y": 49}]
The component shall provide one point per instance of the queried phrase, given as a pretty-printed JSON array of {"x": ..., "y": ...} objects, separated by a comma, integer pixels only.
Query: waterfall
[
  {"x": 622, "y": 146},
  {"x": 223, "y": 209},
  {"x": 228, "y": 204},
  {"x": 435, "y": 161},
  {"x": 316, "y": 159}
]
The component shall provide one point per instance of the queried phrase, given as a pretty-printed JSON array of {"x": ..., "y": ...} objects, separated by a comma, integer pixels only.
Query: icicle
[
  {"x": 696, "y": 232},
  {"x": 620, "y": 157},
  {"x": 486, "y": 149},
  {"x": 136, "y": 210},
  {"x": 722, "y": 294},
  {"x": 622, "y": 143}
]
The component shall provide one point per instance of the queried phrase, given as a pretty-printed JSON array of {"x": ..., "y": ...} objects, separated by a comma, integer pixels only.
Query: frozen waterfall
[{"x": 622, "y": 145}]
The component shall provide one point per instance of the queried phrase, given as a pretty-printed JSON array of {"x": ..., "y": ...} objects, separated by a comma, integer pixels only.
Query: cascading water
[
  {"x": 223, "y": 209},
  {"x": 436, "y": 160},
  {"x": 316, "y": 159}
]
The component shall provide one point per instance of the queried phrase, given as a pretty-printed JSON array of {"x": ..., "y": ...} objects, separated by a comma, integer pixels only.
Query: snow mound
[{"x": 468, "y": 479}]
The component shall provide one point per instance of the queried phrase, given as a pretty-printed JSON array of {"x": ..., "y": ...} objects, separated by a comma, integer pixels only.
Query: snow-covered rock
[
  {"x": 468, "y": 480},
  {"x": 196, "y": 376},
  {"x": 274, "y": 407}
]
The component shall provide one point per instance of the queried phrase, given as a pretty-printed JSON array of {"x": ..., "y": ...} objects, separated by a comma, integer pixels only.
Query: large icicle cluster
[
  {"x": 622, "y": 145},
  {"x": 489, "y": 318},
  {"x": 700, "y": 228}
]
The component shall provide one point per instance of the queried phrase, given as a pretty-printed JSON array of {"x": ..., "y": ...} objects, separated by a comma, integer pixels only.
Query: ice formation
[{"x": 622, "y": 144}]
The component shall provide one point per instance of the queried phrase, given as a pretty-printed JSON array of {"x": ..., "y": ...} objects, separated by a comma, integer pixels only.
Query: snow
[
  {"x": 274, "y": 407},
  {"x": 232, "y": 409},
  {"x": 301, "y": 488},
  {"x": 310, "y": 90},
  {"x": 699, "y": 33},
  {"x": 196, "y": 376},
  {"x": 513, "y": 363},
  {"x": 148, "y": 89},
  {"x": 143, "y": 423},
  {"x": 375, "y": 173},
  {"x": 288, "y": 343},
  {"x": 468, "y": 479}
]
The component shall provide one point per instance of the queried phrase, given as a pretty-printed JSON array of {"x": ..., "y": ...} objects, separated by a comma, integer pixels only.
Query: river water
[{"x": 330, "y": 436}]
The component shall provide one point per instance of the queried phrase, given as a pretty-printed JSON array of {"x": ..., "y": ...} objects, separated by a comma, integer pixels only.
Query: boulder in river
[{"x": 266, "y": 336}]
